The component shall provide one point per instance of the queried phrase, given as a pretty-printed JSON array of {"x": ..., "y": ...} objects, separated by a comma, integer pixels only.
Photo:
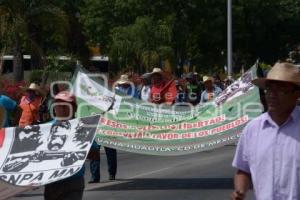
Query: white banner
[
  {"x": 41, "y": 154},
  {"x": 95, "y": 94}
]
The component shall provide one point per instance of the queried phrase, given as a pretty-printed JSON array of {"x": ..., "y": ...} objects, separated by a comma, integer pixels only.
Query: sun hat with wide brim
[
  {"x": 207, "y": 78},
  {"x": 157, "y": 70},
  {"x": 33, "y": 87},
  {"x": 284, "y": 72},
  {"x": 123, "y": 79}
]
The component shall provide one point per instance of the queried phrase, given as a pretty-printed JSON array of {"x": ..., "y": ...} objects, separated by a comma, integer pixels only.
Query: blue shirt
[
  {"x": 205, "y": 97},
  {"x": 129, "y": 91},
  {"x": 9, "y": 105}
]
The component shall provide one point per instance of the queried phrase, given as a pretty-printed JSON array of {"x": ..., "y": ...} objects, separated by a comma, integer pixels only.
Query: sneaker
[
  {"x": 93, "y": 182},
  {"x": 112, "y": 177}
]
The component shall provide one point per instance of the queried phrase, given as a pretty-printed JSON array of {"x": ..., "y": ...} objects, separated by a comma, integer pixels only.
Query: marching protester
[
  {"x": 30, "y": 105},
  {"x": 125, "y": 86},
  {"x": 181, "y": 95},
  {"x": 268, "y": 150},
  {"x": 157, "y": 85},
  {"x": 193, "y": 89},
  {"x": 146, "y": 87},
  {"x": 70, "y": 188},
  {"x": 211, "y": 91},
  {"x": 8, "y": 106},
  {"x": 162, "y": 91},
  {"x": 218, "y": 82},
  {"x": 94, "y": 157}
]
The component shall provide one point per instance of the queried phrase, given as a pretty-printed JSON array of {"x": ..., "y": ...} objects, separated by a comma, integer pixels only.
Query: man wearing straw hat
[
  {"x": 268, "y": 151},
  {"x": 210, "y": 90},
  {"x": 30, "y": 104},
  {"x": 162, "y": 91},
  {"x": 125, "y": 86}
]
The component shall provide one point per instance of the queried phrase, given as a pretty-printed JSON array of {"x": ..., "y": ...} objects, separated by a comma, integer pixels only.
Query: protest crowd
[
  {"x": 34, "y": 103},
  {"x": 36, "y": 106},
  {"x": 160, "y": 87},
  {"x": 281, "y": 88}
]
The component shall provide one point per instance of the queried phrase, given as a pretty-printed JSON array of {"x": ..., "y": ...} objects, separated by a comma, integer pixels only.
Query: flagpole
[{"x": 229, "y": 38}]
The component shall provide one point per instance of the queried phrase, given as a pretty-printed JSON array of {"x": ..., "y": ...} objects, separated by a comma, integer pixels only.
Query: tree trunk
[
  {"x": 2, "y": 60},
  {"x": 45, "y": 77},
  {"x": 36, "y": 61},
  {"x": 18, "y": 68}
]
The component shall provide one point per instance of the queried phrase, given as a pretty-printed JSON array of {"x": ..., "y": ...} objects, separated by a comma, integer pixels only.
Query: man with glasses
[{"x": 268, "y": 151}]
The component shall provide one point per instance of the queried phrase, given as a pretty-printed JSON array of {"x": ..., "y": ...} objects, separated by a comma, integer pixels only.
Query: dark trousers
[
  {"x": 95, "y": 169},
  {"x": 111, "y": 155}
]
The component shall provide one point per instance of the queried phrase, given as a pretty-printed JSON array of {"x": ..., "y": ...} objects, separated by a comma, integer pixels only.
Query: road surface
[{"x": 200, "y": 176}]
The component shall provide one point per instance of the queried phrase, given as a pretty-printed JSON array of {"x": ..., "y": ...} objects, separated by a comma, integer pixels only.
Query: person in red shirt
[
  {"x": 30, "y": 104},
  {"x": 157, "y": 85},
  {"x": 162, "y": 91}
]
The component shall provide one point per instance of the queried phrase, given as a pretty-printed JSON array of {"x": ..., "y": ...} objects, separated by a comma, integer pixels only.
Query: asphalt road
[{"x": 201, "y": 176}]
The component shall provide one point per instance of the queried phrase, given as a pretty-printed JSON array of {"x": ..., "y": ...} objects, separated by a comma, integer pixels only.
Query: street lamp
[{"x": 229, "y": 38}]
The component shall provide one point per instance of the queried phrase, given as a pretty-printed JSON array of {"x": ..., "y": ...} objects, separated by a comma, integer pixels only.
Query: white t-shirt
[{"x": 145, "y": 93}]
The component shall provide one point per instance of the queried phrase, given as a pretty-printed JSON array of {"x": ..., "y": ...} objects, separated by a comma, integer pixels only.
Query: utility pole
[{"x": 229, "y": 38}]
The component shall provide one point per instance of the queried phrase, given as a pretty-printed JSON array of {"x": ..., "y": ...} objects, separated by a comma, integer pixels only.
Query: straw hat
[
  {"x": 157, "y": 70},
  {"x": 123, "y": 79},
  {"x": 33, "y": 87},
  {"x": 65, "y": 96},
  {"x": 207, "y": 78},
  {"x": 285, "y": 72}
]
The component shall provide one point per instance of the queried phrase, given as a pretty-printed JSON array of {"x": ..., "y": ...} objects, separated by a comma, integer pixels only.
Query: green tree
[
  {"x": 25, "y": 22},
  {"x": 195, "y": 30}
]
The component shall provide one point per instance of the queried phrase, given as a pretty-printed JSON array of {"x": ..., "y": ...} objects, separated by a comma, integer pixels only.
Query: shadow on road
[{"x": 171, "y": 184}]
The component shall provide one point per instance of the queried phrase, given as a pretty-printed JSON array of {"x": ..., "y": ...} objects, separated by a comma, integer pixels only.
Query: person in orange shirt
[{"x": 30, "y": 104}]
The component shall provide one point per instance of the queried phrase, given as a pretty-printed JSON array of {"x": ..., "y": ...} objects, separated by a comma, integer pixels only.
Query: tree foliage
[
  {"x": 132, "y": 31},
  {"x": 142, "y": 34},
  {"x": 31, "y": 25}
]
